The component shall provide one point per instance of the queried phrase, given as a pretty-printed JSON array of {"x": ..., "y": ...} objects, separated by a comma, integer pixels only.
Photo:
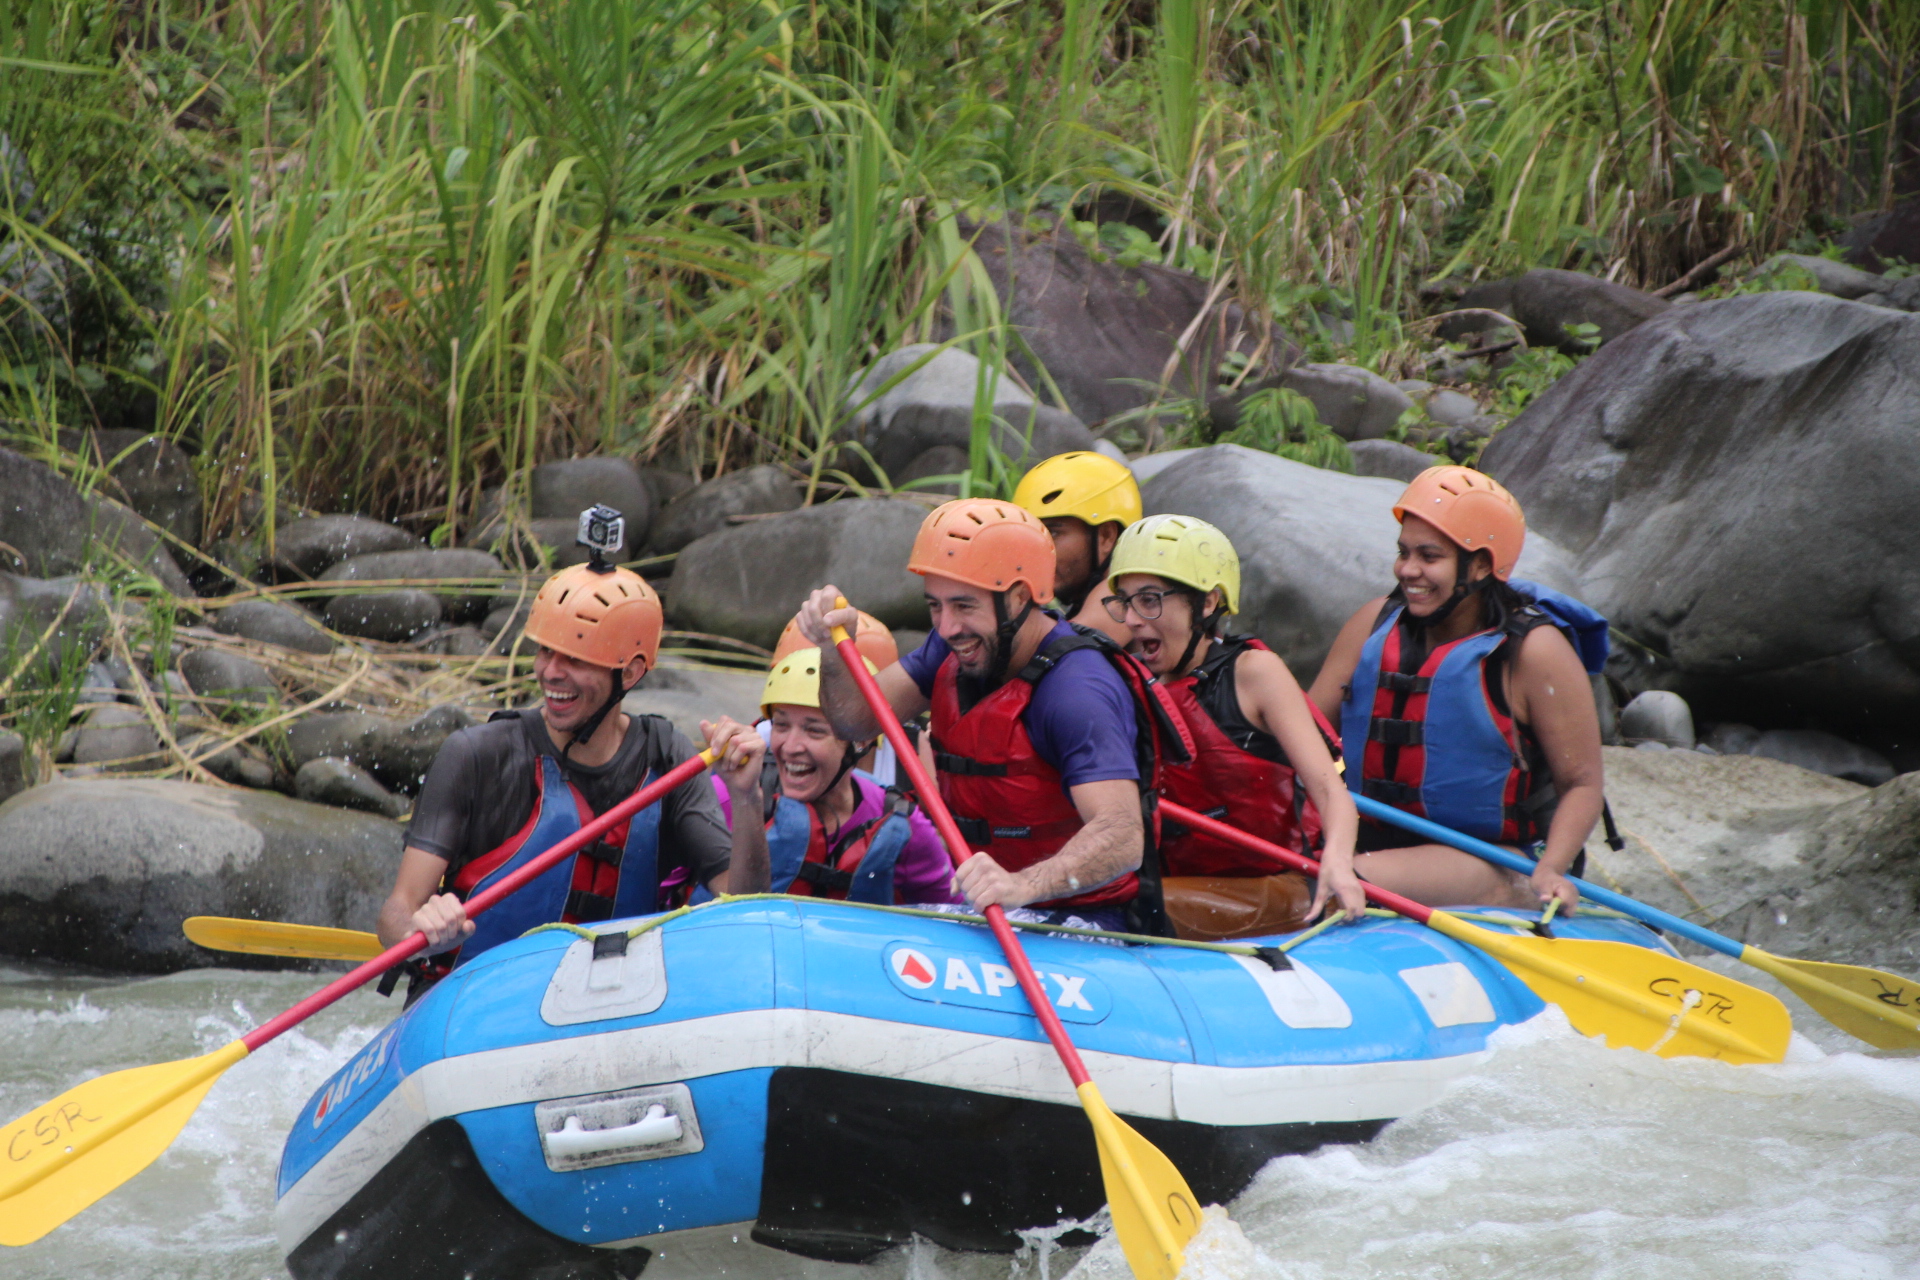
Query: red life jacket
[
  {"x": 1008, "y": 801},
  {"x": 1238, "y": 775},
  {"x": 832, "y": 870}
]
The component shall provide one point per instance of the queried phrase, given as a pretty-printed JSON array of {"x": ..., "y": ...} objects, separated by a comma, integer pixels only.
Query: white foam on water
[{"x": 1559, "y": 1159}]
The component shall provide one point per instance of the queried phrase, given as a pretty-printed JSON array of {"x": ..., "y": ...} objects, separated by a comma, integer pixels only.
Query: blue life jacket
[
  {"x": 863, "y": 871},
  {"x": 551, "y": 895},
  {"x": 1438, "y": 743}
]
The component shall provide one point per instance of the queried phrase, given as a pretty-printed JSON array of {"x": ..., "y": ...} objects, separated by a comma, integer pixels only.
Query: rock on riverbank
[{"x": 102, "y": 873}]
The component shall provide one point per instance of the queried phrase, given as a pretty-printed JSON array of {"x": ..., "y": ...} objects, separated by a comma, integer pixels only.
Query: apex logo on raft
[
  {"x": 982, "y": 982},
  {"x": 364, "y": 1066}
]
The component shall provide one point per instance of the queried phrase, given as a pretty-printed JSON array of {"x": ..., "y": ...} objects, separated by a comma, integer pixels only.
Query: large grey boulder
[
  {"x": 1829, "y": 276},
  {"x": 460, "y": 604},
  {"x": 308, "y": 548},
  {"x": 1658, "y": 716},
  {"x": 1314, "y": 545},
  {"x": 346, "y": 786},
  {"x": 102, "y": 872},
  {"x": 562, "y": 490},
  {"x": 557, "y": 493},
  {"x": 1104, "y": 332},
  {"x": 1791, "y": 861},
  {"x": 151, "y": 474},
  {"x": 392, "y": 616},
  {"x": 1389, "y": 459},
  {"x": 687, "y": 695},
  {"x": 232, "y": 682},
  {"x": 1354, "y": 403},
  {"x": 55, "y": 529},
  {"x": 271, "y": 622},
  {"x": 1825, "y": 753},
  {"x": 1546, "y": 300},
  {"x": 932, "y": 408},
  {"x": 746, "y": 582},
  {"x": 1735, "y": 483},
  {"x": 117, "y": 736},
  {"x": 14, "y": 765},
  {"x": 705, "y": 508},
  {"x": 397, "y": 754}
]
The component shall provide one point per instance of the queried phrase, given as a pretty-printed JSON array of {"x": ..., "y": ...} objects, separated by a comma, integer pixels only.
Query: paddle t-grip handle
[
  {"x": 957, "y": 849},
  {"x": 479, "y": 902}
]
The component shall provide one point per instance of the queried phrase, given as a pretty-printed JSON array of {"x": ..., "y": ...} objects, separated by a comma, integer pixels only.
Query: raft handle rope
[{"x": 1273, "y": 957}]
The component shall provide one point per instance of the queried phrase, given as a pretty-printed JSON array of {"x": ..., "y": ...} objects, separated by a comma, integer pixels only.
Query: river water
[{"x": 1559, "y": 1159}]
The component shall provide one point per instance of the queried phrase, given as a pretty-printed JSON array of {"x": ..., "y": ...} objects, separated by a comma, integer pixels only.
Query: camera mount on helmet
[{"x": 603, "y": 531}]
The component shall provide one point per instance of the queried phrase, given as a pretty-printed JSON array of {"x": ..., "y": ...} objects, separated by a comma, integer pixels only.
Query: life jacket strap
[
  {"x": 1400, "y": 795},
  {"x": 825, "y": 879},
  {"x": 1397, "y": 733},
  {"x": 589, "y": 908},
  {"x": 1404, "y": 682},
  {"x": 603, "y": 852},
  {"x": 947, "y": 762}
]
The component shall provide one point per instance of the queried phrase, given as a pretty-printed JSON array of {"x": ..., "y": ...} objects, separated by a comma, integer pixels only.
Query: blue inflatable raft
[{"x": 831, "y": 1080}]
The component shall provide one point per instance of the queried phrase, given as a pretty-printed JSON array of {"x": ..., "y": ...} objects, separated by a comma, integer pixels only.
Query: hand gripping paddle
[
  {"x": 1155, "y": 1213},
  {"x": 1636, "y": 997},
  {"x": 62, "y": 1156},
  {"x": 1876, "y": 1006}
]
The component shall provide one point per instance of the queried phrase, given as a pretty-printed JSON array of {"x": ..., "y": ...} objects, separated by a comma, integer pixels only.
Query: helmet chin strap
[
  {"x": 593, "y": 722},
  {"x": 848, "y": 758},
  {"x": 1202, "y": 627},
  {"x": 1462, "y": 589},
  {"x": 1003, "y": 637}
]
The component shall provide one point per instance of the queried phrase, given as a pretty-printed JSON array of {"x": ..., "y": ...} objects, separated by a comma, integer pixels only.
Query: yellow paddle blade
[
  {"x": 272, "y": 938},
  {"x": 61, "y": 1157},
  {"x": 1871, "y": 1004},
  {"x": 1639, "y": 998},
  {"x": 1154, "y": 1211}
]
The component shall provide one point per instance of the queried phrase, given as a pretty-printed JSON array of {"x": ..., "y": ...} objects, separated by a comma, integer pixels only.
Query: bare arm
[
  {"x": 1107, "y": 847},
  {"x": 846, "y": 710},
  {"x": 737, "y": 752},
  {"x": 1336, "y": 673},
  {"x": 1551, "y": 693},
  {"x": 415, "y": 905},
  {"x": 1270, "y": 697}
]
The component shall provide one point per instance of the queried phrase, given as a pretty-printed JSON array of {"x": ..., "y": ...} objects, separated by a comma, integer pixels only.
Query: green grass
[{"x": 378, "y": 254}]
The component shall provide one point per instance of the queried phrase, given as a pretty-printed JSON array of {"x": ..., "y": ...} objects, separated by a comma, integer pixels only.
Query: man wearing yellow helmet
[
  {"x": 1085, "y": 499},
  {"x": 832, "y": 830},
  {"x": 1263, "y": 756},
  {"x": 500, "y": 793}
]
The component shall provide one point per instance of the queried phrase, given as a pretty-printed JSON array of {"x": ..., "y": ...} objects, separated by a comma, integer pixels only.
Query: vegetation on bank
[{"x": 376, "y": 254}]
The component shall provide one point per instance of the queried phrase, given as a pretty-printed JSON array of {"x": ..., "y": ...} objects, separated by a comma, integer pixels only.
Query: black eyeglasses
[{"x": 1146, "y": 602}]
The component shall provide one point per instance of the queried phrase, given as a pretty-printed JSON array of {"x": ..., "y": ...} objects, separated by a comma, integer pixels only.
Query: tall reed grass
[{"x": 382, "y": 253}]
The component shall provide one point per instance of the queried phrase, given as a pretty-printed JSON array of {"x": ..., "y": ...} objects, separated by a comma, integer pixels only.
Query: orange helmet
[
  {"x": 986, "y": 543},
  {"x": 607, "y": 619},
  {"x": 1472, "y": 509},
  {"x": 870, "y": 636}
]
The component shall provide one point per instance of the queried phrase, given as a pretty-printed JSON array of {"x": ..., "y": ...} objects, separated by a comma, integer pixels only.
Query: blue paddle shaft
[{"x": 1515, "y": 862}]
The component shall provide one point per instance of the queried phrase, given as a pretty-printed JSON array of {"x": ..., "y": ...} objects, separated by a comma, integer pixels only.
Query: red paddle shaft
[
  {"x": 479, "y": 902},
  {"x": 957, "y": 850},
  {"x": 1299, "y": 862}
]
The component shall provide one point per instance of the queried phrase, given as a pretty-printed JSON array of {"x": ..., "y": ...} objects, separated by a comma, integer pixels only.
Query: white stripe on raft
[{"x": 687, "y": 1050}]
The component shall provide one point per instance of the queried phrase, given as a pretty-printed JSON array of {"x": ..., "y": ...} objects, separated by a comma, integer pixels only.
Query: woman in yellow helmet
[
  {"x": 1085, "y": 499},
  {"x": 1263, "y": 756},
  {"x": 832, "y": 831}
]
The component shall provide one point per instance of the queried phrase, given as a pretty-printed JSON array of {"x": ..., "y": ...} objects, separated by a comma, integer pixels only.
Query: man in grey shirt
[{"x": 500, "y": 793}]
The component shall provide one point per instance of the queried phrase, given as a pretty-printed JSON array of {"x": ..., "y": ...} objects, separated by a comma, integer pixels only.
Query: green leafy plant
[{"x": 1283, "y": 422}]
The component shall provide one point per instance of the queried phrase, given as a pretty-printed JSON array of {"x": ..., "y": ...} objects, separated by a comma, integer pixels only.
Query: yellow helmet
[
  {"x": 794, "y": 680},
  {"x": 1180, "y": 549},
  {"x": 1085, "y": 485}
]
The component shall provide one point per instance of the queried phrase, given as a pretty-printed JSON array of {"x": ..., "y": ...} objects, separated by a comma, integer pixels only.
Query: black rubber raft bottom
[{"x": 854, "y": 1166}]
